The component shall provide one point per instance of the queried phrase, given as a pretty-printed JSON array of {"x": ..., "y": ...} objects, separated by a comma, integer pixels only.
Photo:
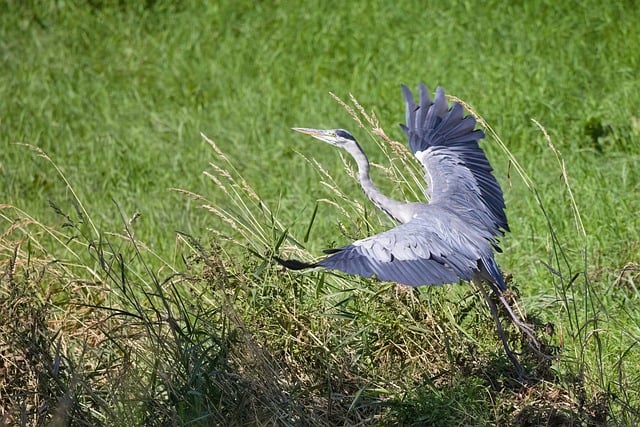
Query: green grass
[{"x": 112, "y": 320}]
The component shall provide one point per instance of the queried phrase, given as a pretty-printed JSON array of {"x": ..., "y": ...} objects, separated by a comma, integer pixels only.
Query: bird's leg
[
  {"x": 494, "y": 312},
  {"x": 524, "y": 327}
]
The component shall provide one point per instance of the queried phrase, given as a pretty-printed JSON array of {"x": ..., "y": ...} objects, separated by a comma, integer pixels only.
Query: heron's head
[{"x": 337, "y": 137}]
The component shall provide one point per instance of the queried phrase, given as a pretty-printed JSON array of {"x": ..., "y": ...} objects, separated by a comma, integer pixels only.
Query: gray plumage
[{"x": 452, "y": 237}]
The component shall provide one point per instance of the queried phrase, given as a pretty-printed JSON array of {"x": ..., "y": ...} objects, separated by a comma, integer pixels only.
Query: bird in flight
[{"x": 452, "y": 237}]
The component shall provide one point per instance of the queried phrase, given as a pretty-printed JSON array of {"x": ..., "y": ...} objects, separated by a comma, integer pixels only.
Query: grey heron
[{"x": 448, "y": 239}]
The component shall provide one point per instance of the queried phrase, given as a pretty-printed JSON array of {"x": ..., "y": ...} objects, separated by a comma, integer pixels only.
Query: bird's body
[
  {"x": 433, "y": 248},
  {"x": 451, "y": 238}
]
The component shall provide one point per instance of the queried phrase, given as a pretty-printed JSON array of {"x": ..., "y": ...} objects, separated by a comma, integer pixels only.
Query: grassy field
[{"x": 137, "y": 290}]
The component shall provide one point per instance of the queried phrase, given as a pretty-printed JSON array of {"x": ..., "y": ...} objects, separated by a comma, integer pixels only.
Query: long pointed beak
[
  {"x": 321, "y": 134},
  {"x": 312, "y": 132}
]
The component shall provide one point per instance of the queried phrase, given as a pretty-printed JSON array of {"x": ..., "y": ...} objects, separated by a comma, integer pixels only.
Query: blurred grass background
[{"x": 118, "y": 93}]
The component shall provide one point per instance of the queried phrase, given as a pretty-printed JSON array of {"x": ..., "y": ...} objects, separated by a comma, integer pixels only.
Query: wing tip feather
[{"x": 294, "y": 264}]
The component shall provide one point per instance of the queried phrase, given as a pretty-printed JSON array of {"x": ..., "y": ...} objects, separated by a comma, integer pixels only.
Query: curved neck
[{"x": 397, "y": 210}]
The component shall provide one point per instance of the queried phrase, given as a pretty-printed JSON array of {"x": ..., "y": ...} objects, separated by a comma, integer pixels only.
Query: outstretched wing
[
  {"x": 428, "y": 250},
  {"x": 457, "y": 171}
]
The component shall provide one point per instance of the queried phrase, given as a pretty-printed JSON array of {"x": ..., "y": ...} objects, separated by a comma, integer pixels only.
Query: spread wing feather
[
  {"x": 457, "y": 171},
  {"x": 424, "y": 251}
]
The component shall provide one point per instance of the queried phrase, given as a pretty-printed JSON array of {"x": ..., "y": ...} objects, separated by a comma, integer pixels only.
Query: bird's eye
[{"x": 343, "y": 134}]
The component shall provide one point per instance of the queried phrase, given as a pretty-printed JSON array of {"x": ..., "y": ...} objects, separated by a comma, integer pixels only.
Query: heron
[{"x": 450, "y": 238}]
